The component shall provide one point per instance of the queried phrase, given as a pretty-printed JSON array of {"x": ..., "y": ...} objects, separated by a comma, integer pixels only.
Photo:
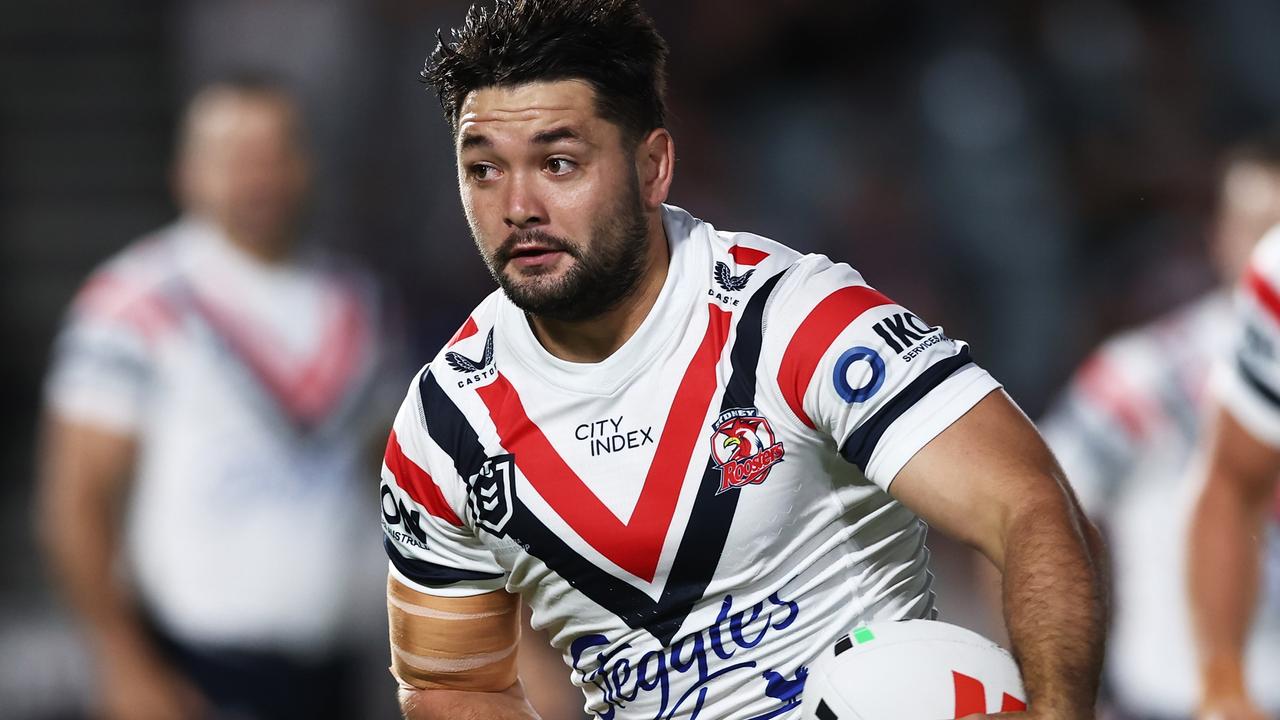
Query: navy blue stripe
[
  {"x": 428, "y": 573},
  {"x": 704, "y": 540},
  {"x": 858, "y": 447},
  {"x": 712, "y": 515},
  {"x": 449, "y": 428},
  {"x": 1251, "y": 378}
]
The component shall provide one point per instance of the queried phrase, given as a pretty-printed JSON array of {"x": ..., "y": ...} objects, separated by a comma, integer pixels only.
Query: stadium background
[{"x": 1033, "y": 174}]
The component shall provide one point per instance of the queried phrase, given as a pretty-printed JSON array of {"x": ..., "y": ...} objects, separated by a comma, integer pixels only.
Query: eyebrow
[
  {"x": 471, "y": 140},
  {"x": 547, "y": 137}
]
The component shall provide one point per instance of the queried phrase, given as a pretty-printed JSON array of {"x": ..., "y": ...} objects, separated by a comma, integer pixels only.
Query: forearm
[
  {"x": 458, "y": 705},
  {"x": 1224, "y": 574},
  {"x": 82, "y": 547},
  {"x": 79, "y": 526},
  {"x": 1055, "y": 591}
]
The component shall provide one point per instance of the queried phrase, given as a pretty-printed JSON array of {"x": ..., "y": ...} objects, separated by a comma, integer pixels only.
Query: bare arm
[
  {"x": 84, "y": 479},
  {"x": 455, "y": 658},
  {"x": 989, "y": 481},
  {"x": 1225, "y": 541}
]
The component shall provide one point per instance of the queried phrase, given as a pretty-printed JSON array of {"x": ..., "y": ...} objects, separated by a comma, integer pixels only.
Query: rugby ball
[{"x": 911, "y": 670}]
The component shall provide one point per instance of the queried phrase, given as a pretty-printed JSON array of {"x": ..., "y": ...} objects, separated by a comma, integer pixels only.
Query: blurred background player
[
  {"x": 208, "y": 417},
  {"x": 1125, "y": 431},
  {"x": 1235, "y": 602}
]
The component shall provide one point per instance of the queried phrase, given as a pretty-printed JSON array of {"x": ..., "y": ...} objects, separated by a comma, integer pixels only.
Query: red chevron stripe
[
  {"x": 417, "y": 482},
  {"x": 634, "y": 546},
  {"x": 306, "y": 388},
  {"x": 815, "y": 335}
]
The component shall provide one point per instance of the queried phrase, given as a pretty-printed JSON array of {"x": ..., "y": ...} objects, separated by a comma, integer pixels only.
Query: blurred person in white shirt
[
  {"x": 207, "y": 423},
  {"x": 1126, "y": 431}
]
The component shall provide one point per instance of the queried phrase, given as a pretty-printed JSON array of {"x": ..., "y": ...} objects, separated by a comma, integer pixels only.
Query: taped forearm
[
  {"x": 466, "y": 644},
  {"x": 460, "y": 705}
]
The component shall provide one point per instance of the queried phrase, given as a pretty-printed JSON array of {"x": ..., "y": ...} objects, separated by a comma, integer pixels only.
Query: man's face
[
  {"x": 552, "y": 196},
  {"x": 243, "y": 166},
  {"x": 1250, "y": 206}
]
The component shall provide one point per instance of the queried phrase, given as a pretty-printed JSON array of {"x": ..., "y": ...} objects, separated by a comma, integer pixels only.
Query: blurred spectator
[
  {"x": 208, "y": 417},
  {"x": 1126, "y": 430}
]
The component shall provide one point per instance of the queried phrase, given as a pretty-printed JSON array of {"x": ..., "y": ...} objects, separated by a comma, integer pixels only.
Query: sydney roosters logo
[{"x": 744, "y": 448}]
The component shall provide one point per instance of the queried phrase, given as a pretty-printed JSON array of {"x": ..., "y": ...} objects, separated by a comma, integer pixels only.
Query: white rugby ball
[{"x": 911, "y": 670}]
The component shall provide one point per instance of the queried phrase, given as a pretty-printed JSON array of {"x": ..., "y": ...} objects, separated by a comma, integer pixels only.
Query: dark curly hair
[{"x": 610, "y": 44}]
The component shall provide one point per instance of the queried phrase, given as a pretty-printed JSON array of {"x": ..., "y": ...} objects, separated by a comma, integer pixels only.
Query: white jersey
[
  {"x": 251, "y": 390},
  {"x": 1126, "y": 432},
  {"x": 693, "y": 518}
]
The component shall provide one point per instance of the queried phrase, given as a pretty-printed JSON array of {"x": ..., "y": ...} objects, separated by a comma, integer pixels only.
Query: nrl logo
[
  {"x": 730, "y": 282},
  {"x": 491, "y": 493},
  {"x": 744, "y": 448}
]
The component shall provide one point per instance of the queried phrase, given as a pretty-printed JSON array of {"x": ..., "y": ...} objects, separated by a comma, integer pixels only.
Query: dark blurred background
[{"x": 1033, "y": 174}]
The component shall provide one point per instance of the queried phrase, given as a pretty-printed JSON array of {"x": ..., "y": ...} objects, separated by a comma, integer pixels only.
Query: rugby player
[
  {"x": 698, "y": 455},
  {"x": 1234, "y": 519},
  {"x": 1126, "y": 431},
  {"x": 209, "y": 404}
]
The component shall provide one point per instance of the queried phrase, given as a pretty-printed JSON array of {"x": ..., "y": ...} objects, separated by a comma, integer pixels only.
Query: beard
[{"x": 604, "y": 272}]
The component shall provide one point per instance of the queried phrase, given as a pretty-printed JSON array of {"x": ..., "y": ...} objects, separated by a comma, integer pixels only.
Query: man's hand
[
  {"x": 85, "y": 474},
  {"x": 135, "y": 684},
  {"x": 1230, "y": 708}
]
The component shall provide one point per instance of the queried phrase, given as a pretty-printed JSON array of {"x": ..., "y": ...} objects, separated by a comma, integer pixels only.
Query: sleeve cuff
[
  {"x": 1249, "y": 402},
  {"x": 925, "y": 420}
]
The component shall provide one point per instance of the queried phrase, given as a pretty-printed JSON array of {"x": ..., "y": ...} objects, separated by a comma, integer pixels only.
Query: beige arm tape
[{"x": 462, "y": 643}]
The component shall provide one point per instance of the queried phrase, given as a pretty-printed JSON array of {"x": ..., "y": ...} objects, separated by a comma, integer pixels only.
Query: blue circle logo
[{"x": 841, "y": 375}]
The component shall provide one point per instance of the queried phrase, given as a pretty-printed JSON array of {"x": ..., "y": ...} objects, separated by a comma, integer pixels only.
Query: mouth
[{"x": 534, "y": 255}]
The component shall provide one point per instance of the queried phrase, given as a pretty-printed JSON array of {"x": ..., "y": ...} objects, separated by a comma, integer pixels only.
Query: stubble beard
[{"x": 604, "y": 272}]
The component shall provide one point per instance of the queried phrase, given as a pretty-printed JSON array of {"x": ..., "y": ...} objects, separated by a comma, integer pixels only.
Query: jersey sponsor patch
[
  {"x": 865, "y": 367},
  {"x": 744, "y": 448}
]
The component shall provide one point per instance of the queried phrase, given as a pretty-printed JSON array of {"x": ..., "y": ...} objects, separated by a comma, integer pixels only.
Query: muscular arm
[
  {"x": 84, "y": 479},
  {"x": 84, "y": 473},
  {"x": 455, "y": 658},
  {"x": 989, "y": 481},
  {"x": 1225, "y": 542}
]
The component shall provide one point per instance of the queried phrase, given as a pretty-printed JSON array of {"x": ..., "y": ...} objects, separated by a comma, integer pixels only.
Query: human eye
[
  {"x": 482, "y": 172},
  {"x": 560, "y": 166}
]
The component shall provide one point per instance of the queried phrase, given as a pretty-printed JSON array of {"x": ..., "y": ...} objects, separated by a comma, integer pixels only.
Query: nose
[{"x": 524, "y": 207}]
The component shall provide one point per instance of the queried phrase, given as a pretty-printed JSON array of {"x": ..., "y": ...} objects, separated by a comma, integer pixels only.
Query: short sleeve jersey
[
  {"x": 1249, "y": 384},
  {"x": 693, "y": 518},
  {"x": 252, "y": 391}
]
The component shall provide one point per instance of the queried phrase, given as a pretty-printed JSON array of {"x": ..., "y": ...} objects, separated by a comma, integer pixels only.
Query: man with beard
[{"x": 579, "y": 442}]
